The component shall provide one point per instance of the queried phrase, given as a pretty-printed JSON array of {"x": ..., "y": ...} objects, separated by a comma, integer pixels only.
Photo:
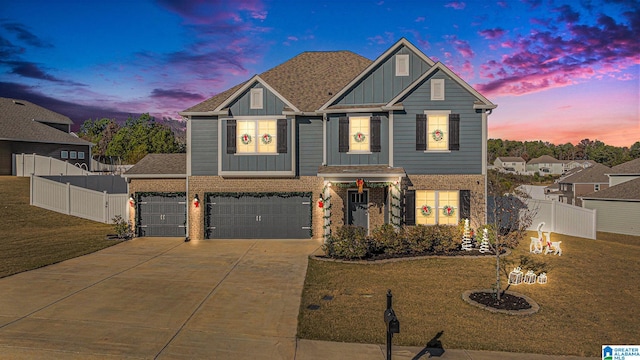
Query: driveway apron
[{"x": 159, "y": 298}]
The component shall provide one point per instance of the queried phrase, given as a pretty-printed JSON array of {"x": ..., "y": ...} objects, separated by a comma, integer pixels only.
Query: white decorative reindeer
[
  {"x": 552, "y": 246},
  {"x": 536, "y": 242}
]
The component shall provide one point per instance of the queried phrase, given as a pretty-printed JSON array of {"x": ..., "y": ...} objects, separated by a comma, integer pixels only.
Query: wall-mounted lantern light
[{"x": 196, "y": 201}]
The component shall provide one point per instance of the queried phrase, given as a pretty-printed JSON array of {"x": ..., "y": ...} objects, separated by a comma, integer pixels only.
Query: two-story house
[
  {"x": 583, "y": 182},
  {"x": 513, "y": 164},
  {"x": 546, "y": 165},
  {"x": 332, "y": 138}
]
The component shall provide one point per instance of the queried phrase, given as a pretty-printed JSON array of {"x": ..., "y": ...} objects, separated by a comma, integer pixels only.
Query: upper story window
[
  {"x": 596, "y": 187},
  {"x": 64, "y": 154},
  {"x": 437, "y": 89},
  {"x": 256, "y": 95},
  {"x": 437, "y": 131},
  {"x": 359, "y": 134},
  {"x": 73, "y": 155},
  {"x": 402, "y": 65},
  {"x": 80, "y": 155},
  {"x": 256, "y": 136}
]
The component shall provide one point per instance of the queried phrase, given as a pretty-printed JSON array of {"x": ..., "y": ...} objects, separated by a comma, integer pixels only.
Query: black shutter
[
  {"x": 231, "y": 136},
  {"x": 375, "y": 134},
  {"x": 410, "y": 207},
  {"x": 454, "y": 131},
  {"x": 465, "y": 204},
  {"x": 282, "y": 136},
  {"x": 343, "y": 134},
  {"x": 421, "y": 132}
]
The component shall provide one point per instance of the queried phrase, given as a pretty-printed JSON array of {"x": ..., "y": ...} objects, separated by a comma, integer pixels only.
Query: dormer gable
[{"x": 255, "y": 97}]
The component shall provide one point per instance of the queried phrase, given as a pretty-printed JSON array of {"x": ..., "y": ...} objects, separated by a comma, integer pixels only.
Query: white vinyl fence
[
  {"x": 28, "y": 164},
  {"x": 563, "y": 219},
  {"x": 77, "y": 201}
]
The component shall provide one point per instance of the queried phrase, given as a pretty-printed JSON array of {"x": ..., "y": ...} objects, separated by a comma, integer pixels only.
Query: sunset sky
[{"x": 560, "y": 71}]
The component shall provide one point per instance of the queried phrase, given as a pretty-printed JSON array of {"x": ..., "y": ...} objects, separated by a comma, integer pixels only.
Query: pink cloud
[{"x": 457, "y": 5}]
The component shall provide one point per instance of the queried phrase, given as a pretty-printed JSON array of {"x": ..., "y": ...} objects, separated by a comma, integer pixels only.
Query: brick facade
[{"x": 377, "y": 206}]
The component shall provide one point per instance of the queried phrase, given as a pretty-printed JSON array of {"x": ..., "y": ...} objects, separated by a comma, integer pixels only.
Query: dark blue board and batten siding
[
  {"x": 467, "y": 160},
  {"x": 204, "y": 146},
  {"x": 309, "y": 145},
  {"x": 334, "y": 157},
  {"x": 272, "y": 105},
  {"x": 382, "y": 84}
]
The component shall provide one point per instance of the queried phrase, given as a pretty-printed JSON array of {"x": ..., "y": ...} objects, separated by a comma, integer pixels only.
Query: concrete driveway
[{"x": 159, "y": 298}]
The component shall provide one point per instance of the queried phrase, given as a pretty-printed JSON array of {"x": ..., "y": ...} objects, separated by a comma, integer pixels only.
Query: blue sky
[{"x": 560, "y": 71}]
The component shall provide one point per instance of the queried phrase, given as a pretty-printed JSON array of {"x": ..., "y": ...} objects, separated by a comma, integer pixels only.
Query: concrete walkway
[{"x": 163, "y": 298}]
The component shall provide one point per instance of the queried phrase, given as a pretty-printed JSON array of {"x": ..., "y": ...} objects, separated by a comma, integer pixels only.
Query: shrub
[
  {"x": 444, "y": 238},
  {"x": 348, "y": 242},
  {"x": 385, "y": 239},
  {"x": 122, "y": 228},
  {"x": 418, "y": 239}
]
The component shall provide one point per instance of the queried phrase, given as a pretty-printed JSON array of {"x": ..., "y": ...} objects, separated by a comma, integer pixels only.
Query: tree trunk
[{"x": 497, "y": 274}]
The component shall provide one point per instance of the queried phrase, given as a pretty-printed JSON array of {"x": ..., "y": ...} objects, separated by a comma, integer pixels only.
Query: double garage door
[
  {"x": 258, "y": 216},
  {"x": 162, "y": 215}
]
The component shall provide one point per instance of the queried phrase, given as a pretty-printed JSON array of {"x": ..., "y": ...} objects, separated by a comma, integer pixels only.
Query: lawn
[
  {"x": 592, "y": 298},
  {"x": 33, "y": 237}
]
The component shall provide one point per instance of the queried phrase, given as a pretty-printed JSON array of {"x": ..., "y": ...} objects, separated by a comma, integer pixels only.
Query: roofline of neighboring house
[
  {"x": 608, "y": 199},
  {"x": 89, "y": 144},
  {"x": 624, "y": 174},
  {"x": 222, "y": 112}
]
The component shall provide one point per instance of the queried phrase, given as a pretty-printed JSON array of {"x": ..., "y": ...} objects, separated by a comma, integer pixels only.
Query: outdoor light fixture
[
  {"x": 196, "y": 201},
  {"x": 131, "y": 201}
]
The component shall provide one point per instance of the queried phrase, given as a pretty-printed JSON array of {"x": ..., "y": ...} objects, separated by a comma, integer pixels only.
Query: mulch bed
[{"x": 507, "y": 301}]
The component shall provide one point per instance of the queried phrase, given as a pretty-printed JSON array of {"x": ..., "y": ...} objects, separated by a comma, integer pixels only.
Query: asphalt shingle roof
[
  {"x": 630, "y": 167},
  {"x": 545, "y": 159},
  {"x": 628, "y": 190},
  {"x": 593, "y": 174},
  {"x": 511, "y": 159},
  {"x": 308, "y": 80},
  {"x": 160, "y": 164},
  {"x": 21, "y": 120}
]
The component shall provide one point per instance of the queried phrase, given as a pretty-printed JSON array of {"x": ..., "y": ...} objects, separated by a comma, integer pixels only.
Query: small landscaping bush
[{"x": 351, "y": 242}]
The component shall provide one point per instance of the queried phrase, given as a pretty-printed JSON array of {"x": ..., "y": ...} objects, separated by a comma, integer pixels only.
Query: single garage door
[
  {"x": 162, "y": 214},
  {"x": 258, "y": 216}
]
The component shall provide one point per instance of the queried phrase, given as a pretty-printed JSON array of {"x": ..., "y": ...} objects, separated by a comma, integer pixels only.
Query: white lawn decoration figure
[
  {"x": 515, "y": 277},
  {"x": 466, "y": 238},
  {"x": 484, "y": 245},
  {"x": 552, "y": 246},
  {"x": 530, "y": 277},
  {"x": 542, "y": 279},
  {"x": 537, "y": 242}
]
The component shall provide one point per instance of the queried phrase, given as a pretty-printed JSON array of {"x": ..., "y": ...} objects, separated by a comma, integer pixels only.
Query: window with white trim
[
  {"x": 437, "y": 207},
  {"x": 437, "y": 130},
  {"x": 256, "y": 136},
  {"x": 256, "y": 96},
  {"x": 596, "y": 187},
  {"x": 64, "y": 154},
  {"x": 437, "y": 89},
  {"x": 359, "y": 134},
  {"x": 402, "y": 65},
  {"x": 73, "y": 155},
  {"x": 80, "y": 155}
]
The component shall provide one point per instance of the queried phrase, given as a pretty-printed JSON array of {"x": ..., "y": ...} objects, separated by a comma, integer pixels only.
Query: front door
[{"x": 358, "y": 214}]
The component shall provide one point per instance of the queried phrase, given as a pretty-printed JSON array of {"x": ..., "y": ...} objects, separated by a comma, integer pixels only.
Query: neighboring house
[
  {"x": 31, "y": 129},
  {"x": 546, "y": 165},
  {"x": 618, "y": 208},
  {"x": 624, "y": 172},
  {"x": 157, "y": 184},
  {"x": 584, "y": 182},
  {"x": 581, "y": 164},
  {"x": 332, "y": 138},
  {"x": 515, "y": 165},
  {"x": 535, "y": 192}
]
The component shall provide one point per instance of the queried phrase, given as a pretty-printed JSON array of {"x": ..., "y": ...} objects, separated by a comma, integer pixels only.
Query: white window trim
[
  {"x": 359, "y": 152},
  {"x": 256, "y": 97},
  {"x": 437, "y": 112},
  {"x": 256, "y": 137},
  {"x": 434, "y": 84},
  {"x": 437, "y": 208},
  {"x": 80, "y": 155},
  {"x": 64, "y": 154},
  {"x": 400, "y": 59}
]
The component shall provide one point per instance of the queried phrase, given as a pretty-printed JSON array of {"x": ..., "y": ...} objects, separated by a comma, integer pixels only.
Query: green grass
[
  {"x": 592, "y": 298},
  {"x": 33, "y": 237}
]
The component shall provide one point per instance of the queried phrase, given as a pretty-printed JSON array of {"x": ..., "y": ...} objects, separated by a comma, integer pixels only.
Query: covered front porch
[{"x": 366, "y": 196}]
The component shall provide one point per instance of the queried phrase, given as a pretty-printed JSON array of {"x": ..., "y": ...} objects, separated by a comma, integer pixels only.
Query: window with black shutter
[
  {"x": 465, "y": 204},
  {"x": 410, "y": 207},
  {"x": 421, "y": 132},
  {"x": 282, "y": 136},
  {"x": 454, "y": 131},
  {"x": 343, "y": 134},
  {"x": 231, "y": 136},
  {"x": 375, "y": 134}
]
